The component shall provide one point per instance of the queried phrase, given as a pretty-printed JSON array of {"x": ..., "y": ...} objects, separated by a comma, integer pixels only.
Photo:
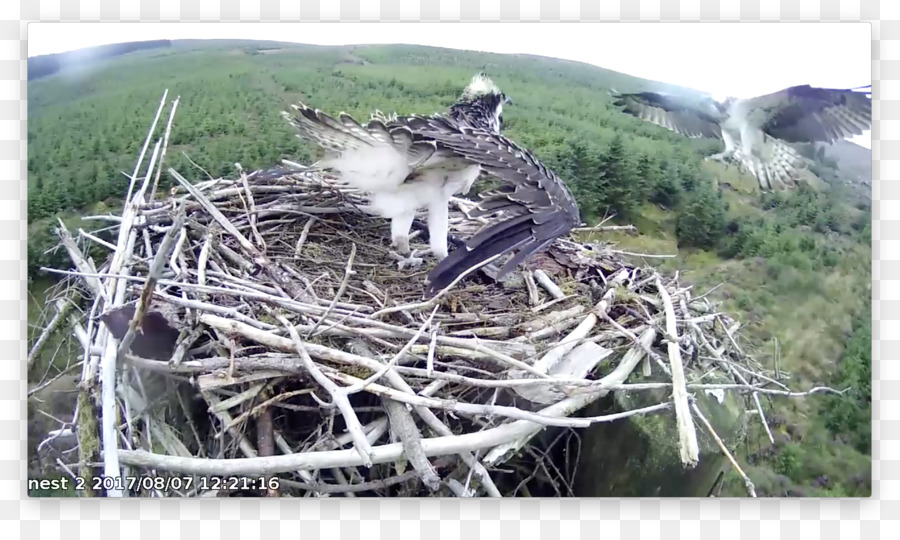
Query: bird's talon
[{"x": 408, "y": 261}]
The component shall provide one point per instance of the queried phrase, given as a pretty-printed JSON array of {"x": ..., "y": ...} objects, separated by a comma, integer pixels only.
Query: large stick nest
[{"x": 261, "y": 327}]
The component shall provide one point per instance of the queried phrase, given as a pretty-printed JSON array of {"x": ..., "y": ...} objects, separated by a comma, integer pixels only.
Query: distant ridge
[
  {"x": 48, "y": 64},
  {"x": 852, "y": 159}
]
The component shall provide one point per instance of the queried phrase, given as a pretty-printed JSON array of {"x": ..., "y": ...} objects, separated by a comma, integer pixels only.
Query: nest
[{"x": 267, "y": 343}]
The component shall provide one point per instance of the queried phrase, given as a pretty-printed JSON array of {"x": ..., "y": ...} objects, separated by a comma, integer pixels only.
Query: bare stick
[
  {"x": 164, "y": 147},
  {"x": 215, "y": 213},
  {"x": 159, "y": 261},
  {"x": 91, "y": 237},
  {"x": 750, "y": 488},
  {"x": 281, "y": 343},
  {"x": 137, "y": 166},
  {"x": 476, "y": 409},
  {"x": 604, "y": 228},
  {"x": 225, "y": 421},
  {"x": 737, "y": 374},
  {"x": 80, "y": 261},
  {"x": 405, "y": 427},
  {"x": 251, "y": 210},
  {"x": 687, "y": 435},
  {"x": 533, "y": 295},
  {"x": 62, "y": 308},
  {"x": 380, "y": 373},
  {"x": 303, "y": 235},
  {"x": 348, "y": 270},
  {"x": 544, "y": 281},
  {"x": 582, "y": 330},
  {"x": 569, "y": 405},
  {"x": 337, "y": 394},
  {"x": 647, "y": 255},
  {"x": 203, "y": 259}
]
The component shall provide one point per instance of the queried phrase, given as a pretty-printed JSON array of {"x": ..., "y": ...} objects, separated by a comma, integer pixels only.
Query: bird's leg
[
  {"x": 400, "y": 226},
  {"x": 451, "y": 238},
  {"x": 438, "y": 227}
]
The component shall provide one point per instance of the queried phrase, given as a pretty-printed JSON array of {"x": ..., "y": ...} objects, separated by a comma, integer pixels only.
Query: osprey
[
  {"x": 412, "y": 162},
  {"x": 758, "y": 131}
]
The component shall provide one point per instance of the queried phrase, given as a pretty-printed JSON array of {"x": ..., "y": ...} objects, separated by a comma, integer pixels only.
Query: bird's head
[{"x": 481, "y": 103}]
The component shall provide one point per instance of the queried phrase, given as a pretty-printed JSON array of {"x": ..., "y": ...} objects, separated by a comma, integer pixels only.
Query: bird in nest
[{"x": 408, "y": 163}]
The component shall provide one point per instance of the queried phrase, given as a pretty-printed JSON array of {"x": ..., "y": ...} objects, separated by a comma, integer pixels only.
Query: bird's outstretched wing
[
  {"x": 536, "y": 204},
  {"x": 679, "y": 114},
  {"x": 361, "y": 146},
  {"x": 807, "y": 114}
]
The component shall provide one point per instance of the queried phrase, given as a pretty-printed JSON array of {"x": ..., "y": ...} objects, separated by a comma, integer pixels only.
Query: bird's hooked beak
[{"x": 507, "y": 100}]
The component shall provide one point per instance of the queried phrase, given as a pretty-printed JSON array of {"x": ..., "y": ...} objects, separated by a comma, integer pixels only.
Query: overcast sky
[{"x": 727, "y": 59}]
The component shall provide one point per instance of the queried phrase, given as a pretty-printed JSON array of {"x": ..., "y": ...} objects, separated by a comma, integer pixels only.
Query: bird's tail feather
[
  {"x": 520, "y": 233},
  {"x": 780, "y": 170}
]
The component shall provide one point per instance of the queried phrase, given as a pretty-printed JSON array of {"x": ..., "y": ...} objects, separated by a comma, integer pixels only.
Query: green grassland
[{"x": 794, "y": 267}]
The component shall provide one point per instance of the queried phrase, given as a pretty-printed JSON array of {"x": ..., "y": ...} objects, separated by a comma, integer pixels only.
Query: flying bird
[
  {"x": 758, "y": 131},
  {"x": 412, "y": 162}
]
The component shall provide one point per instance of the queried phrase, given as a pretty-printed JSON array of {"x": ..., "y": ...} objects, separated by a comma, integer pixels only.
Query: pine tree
[
  {"x": 616, "y": 180},
  {"x": 702, "y": 220}
]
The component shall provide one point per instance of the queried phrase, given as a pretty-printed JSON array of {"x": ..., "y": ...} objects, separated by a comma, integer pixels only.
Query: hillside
[
  {"x": 852, "y": 159},
  {"x": 793, "y": 266}
]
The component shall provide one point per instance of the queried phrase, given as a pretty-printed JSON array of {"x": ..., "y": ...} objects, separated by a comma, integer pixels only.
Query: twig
[
  {"x": 338, "y": 396},
  {"x": 687, "y": 435},
  {"x": 62, "y": 308},
  {"x": 348, "y": 270},
  {"x": 544, "y": 281},
  {"x": 137, "y": 166},
  {"x": 749, "y": 485},
  {"x": 571, "y": 404},
  {"x": 91, "y": 237},
  {"x": 60, "y": 375},
  {"x": 373, "y": 485},
  {"x": 646, "y": 255},
  {"x": 604, "y": 228},
  {"x": 531, "y": 287},
  {"x": 721, "y": 360},
  {"x": 380, "y": 373},
  {"x": 80, "y": 261},
  {"x": 405, "y": 428},
  {"x": 251, "y": 210},
  {"x": 164, "y": 147},
  {"x": 159, "y": 261},
  {"x": 303, "y": 236},
  {"x": 203, "y": 259}
]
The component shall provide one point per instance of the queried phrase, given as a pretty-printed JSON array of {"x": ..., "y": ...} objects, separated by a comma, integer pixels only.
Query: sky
[{"x": 725, "y": 59}]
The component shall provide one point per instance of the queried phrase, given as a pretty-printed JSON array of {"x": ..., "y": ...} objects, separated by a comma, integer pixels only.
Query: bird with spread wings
[
  {"x": 412, "y": 162},
  {"x": 758, "y": 131}
]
